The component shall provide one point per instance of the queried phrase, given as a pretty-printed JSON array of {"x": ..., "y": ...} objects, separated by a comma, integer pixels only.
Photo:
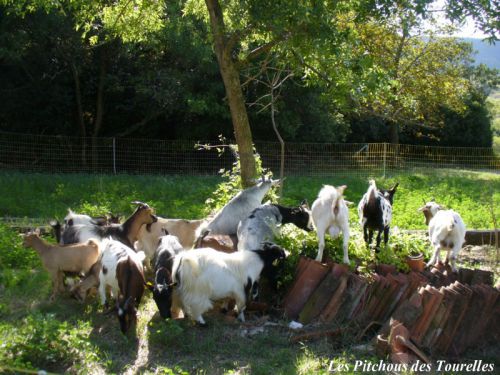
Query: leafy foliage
[
  {"x": 42, "y": 341},
  {"x": 12, "y": 254}
]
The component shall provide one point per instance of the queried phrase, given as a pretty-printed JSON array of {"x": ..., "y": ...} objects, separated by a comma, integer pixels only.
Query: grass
[
  {"x": 46, "y": 197},
  {"x": 67, "y": 337}
]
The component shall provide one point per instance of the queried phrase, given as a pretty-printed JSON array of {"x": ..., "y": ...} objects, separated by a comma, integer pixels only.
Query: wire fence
[{"x": 63, "y": 154}]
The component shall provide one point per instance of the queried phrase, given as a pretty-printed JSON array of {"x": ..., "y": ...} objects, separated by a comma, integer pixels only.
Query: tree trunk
[
  {"x": 99, "y": 104},
  {"x": 79, "y": 112},
  {"x": 394, "y": 133},
  {"x": 231, "y": 77}
]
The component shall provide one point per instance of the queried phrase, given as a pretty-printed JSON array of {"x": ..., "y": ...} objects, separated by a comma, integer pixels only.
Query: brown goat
[
  {"x": 91, "y": 280},
  {"x": 187, "y": 231},
  {"x": 58, "y": 259}
]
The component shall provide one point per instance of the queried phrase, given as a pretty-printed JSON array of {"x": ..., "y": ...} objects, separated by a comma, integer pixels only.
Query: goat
[
  {"x": 206, "y": 275},
  {"x": 330, "y": 213},
  {"x": 446, "y": 231},
  {"x": 187, "y": 231},
  {"x": 375, "y": 213},
  {"x": 238, "y": 208},
  {"x": 59, "y": 259},
  {"x": 73, "y": 218},
  {"x": 168, "y": 247},
  {"x": 123, "y": 273},
  {"x": 262, "y": 224},
  {"x": 127, "y": 232},
  {"x": 91, "y": 280}
]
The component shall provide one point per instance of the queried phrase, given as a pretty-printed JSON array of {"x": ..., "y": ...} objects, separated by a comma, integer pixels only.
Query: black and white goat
[
  {"x": 263, "y": 224},
  {"x": 239, "y": 208},
  {"x": 122, "y": 272},
  {"x": 168, "y": 247},
  {"x": 205, "y": 275},
  {"x": 330, "y": 214},
  {"x": 127, "y": 232},
  {"x": 446, "y": 232},
  {"x": 375, "y": 212}
]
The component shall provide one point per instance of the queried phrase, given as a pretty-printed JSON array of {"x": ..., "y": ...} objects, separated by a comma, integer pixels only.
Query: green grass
[
  {"x": 67, "y": 337},
  {"x": 48, "y": 196}
]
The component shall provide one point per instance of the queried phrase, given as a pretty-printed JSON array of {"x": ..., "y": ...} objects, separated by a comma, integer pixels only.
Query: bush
[
  {"x": 12, "y": 253},
  {"x": 43, "y": 342}
]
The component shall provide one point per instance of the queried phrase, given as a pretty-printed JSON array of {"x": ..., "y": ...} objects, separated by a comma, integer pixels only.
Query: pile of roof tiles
[{"x": 444, "y": 312}]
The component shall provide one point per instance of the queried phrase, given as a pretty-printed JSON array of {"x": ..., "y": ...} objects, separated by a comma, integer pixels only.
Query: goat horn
[{"x": 139, "y": 203}]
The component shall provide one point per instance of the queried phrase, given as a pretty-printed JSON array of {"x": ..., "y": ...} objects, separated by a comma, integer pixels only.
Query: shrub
[
  {"x": 43, "y": 342},
  {"x": 12, "y": 253}
]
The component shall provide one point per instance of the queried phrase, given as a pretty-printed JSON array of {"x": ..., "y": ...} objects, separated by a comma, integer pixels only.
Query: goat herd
[{"x": 111, "y": 255}]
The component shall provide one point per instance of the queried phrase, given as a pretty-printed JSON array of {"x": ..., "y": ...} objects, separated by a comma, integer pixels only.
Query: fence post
[
  {"x": 385, "y": 157},
  {"x": 114, "y": 156}
]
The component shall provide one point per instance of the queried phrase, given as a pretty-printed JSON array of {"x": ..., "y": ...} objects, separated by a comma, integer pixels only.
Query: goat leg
[
  {"x": 386, "y": 234},
  {"x": 379, "y": 238}
]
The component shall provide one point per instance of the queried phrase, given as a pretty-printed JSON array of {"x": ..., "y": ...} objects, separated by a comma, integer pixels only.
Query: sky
[{"x": 468, "y": 30}]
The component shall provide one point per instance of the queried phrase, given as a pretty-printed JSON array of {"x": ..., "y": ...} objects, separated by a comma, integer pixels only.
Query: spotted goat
[{"x": 375, "y": 213}]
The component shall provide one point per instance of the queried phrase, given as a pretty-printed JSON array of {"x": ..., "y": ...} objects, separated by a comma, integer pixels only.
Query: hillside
[{"x": 488, "y": 54}]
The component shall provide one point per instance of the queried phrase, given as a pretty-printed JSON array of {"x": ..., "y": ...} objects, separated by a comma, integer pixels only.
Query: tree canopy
[{"x": 359, "y": 71}]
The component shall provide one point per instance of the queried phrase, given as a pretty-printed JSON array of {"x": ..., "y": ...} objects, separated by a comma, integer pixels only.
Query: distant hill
[{"x": 487, "y": 54}]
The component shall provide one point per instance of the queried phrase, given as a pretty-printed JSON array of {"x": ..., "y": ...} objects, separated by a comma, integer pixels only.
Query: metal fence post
[
  {"x": 385, "y": 157},
  {"x": 114, "y": 156}
]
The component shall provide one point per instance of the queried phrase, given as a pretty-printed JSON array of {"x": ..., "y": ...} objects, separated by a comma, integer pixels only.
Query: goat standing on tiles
[
  {"x": 238, "y": 208},
  {"x": 262, "y": 224},
  {"x": 375, "y": 213},
  {"x": 330, "y": 214},
  {"x": 123, "y": 273},
  {"x": 446, "y": 231}
]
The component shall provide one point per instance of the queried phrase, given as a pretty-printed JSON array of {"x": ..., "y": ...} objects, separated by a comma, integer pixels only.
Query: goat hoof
[{"x": 202, "y": 325}]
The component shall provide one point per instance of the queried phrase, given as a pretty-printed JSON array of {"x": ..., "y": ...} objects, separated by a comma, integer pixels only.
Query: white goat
[
  {"x": 263, "y": 224},
  {"x": 446, "y": 231},
  {"x": 206, "y": 275},
  {"x": 73, "y": 218},
  {"x": 238, "y": 208},
  {"x": 330, "y": 213}
]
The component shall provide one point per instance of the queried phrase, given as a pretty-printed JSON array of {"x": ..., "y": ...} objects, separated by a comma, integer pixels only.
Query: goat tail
[
  {"x": 450, "y": 226},
  {"x": 372, "y": 189}
]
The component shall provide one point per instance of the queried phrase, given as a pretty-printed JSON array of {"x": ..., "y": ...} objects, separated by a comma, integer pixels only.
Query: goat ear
[
  {"x": 165, "y": 231},
  {"x": 341, "y": 189},
  {"x": 304, "y": 204},
  {"x": 395, "y": 187}
]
